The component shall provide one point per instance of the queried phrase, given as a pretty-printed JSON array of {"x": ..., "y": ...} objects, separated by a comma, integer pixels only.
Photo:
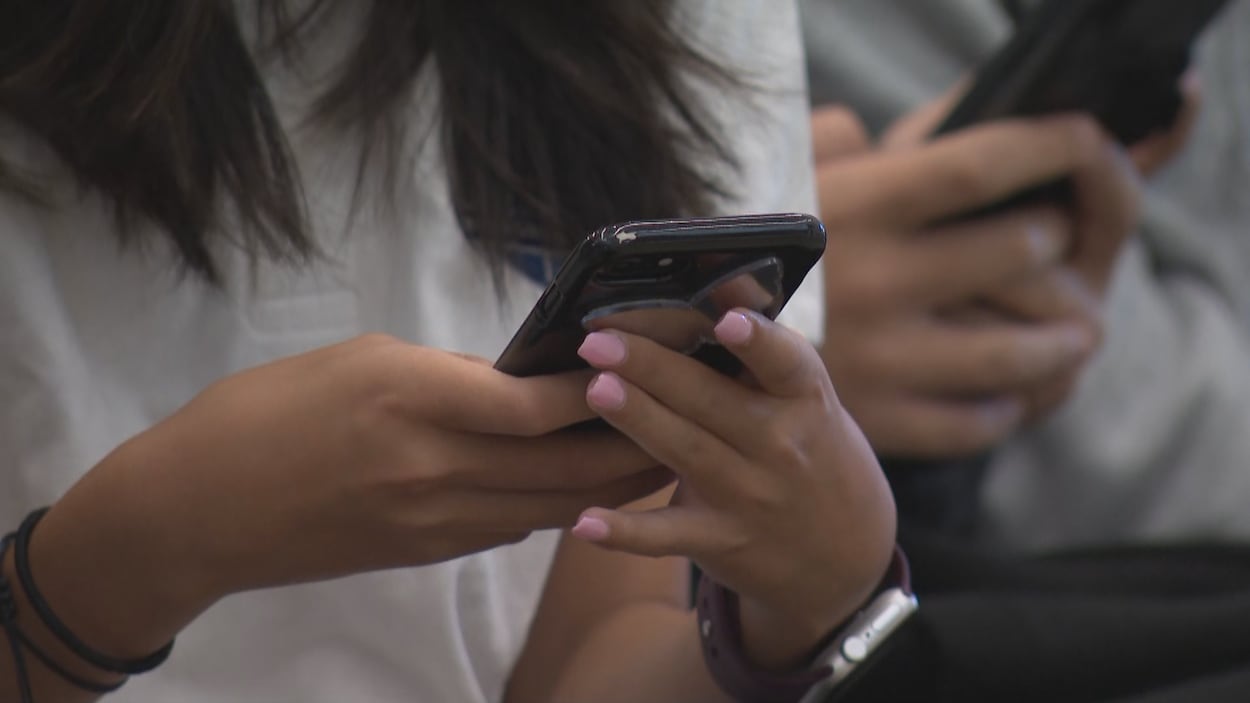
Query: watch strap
[{"x": 720, "y": 633}]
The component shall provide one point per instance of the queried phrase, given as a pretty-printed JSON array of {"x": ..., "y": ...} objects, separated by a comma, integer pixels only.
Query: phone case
[
  {"x": 666, "y": 279},
  {"x": 1119, "y": 60}
]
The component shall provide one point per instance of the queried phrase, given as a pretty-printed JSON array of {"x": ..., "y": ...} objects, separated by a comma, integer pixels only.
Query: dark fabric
[
  {"x": 1134, "y": 625},
  {"x": 938, "y": 495}
]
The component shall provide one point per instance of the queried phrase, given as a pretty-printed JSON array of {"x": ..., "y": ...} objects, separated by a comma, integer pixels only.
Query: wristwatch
[{"x": 843, "y": 652}]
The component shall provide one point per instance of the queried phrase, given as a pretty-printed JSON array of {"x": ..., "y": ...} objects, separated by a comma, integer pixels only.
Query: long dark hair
[{"x": 559, "y": 116}]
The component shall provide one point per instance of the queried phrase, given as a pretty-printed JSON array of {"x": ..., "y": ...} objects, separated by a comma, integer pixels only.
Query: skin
[
  {"x": 367, "y": 455},
  {"x": 375, "y": 454},
  {"x": 946, "y": 334}
]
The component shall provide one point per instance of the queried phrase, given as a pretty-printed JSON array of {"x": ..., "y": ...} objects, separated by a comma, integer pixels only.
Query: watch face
[{"x": 861, "y": 638}]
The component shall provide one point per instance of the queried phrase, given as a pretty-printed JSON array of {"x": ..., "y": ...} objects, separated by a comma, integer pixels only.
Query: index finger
[
  {"x": 1155, "y": 151},
  {"x": 915, "y": 127},
  {"x": 837, "y": 132},
  {"x": 968, "y": 170},
  {"x": 782, "y": 361},
  {"x": 478, "y": 398}
]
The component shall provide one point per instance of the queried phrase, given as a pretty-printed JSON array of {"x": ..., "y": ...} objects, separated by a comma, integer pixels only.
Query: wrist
[
  {"x": 784, "y": 632},
  {"x": 821, "y": 668},
  {"x": 114, "y": 572},
  {"x": 780, "y": 638}
]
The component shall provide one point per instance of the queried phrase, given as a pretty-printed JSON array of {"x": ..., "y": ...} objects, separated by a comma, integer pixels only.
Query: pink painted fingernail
[
  {"x": 606, "y": 392},
  {"x": 591, "y": 529},
  {"x": 734, "y": 328},
  {"x": 602, "y": 349}
]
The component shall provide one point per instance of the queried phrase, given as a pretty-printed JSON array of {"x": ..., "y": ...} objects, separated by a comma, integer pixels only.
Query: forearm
[
  {"x": 108, "y": 575},
  {"x": 45, "y": 685},
  {"x": 651, "y": 651},
  {"x": 646, "y": 651}
]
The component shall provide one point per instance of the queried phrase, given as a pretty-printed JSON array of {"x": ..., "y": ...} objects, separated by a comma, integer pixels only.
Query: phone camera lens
[
  {"x": 642, "y": 269},
  {"x": 627, "y": 265}
]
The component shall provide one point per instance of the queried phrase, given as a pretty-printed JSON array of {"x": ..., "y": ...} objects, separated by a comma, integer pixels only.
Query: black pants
[{"x": 1133, "y": 625}]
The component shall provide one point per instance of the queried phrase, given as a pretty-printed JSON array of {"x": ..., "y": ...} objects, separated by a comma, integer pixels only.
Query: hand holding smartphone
[{"x": 1120, "y": 61}]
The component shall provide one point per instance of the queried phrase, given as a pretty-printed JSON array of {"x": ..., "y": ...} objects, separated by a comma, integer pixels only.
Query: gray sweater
[{"x": 1155, "y": 443}]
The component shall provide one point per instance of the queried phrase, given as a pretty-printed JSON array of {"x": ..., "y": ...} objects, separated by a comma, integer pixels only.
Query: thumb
[
  {"x": 1154, "y": 152},
  {"x": 918, "y": 126},
  {"x": 668, "y": 531},
  {"x": 1108, "y": 207}
]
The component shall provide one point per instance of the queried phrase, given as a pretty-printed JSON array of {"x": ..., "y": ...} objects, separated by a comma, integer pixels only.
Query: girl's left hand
[{"x": 781, "y": 499}]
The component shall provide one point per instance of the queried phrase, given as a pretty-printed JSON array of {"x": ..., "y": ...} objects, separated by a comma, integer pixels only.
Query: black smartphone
[
  {"x": 668, "y": 280},
  {"x": 1118, "y": 60}
]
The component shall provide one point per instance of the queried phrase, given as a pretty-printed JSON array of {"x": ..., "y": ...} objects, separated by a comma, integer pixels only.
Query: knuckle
[
  {"x": 990, "y": 424},
  {"x": 868, "y": 358},
  {"x": 976, "y": 433},
  {"x": 798, "y": 371},
  {"x": 692, "y": 448},
  {"x": 868, "y": 285},
  {"x": 530, "y": 414},
  {"x": 642, "y": 357},
  {"x": 374, "y": 421},
  {"x": 426, "y": 473},
  {"x": 969, "y": 175},
  {"x": 842, "y": 120},
  {"x": 1084, "y": 138},
  {"x": 1007, "y": 362},
  {"x": 786, "y": 450},
  {"x": 839, "y": 128},
  {"x": 375, "y": 339},
  {"x": 730, "y": 540},
  {"x": 843, "y": 217},
  {"x": 529, "y": 419}
]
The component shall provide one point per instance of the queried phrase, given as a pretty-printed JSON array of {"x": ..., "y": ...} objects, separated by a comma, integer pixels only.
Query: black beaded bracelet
[
  {"x": 8, "y": 621},
  {"x": 21, "y": 557}
]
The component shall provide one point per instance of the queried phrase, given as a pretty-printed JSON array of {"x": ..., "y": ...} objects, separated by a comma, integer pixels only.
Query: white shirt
[{"x": 98, "y": 343}]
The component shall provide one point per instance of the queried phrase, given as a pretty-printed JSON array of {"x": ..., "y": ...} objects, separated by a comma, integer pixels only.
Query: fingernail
[
  {"x": 606, "y": 392},
  {"x": 591, "y": 529},
  {"x": 602, "y": 349},
  {"x": 734, "y": 328}
]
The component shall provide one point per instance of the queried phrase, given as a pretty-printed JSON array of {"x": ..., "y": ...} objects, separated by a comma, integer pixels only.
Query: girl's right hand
[
  {"x": 904, "y": 268},
  {"x": 366, "y": 455}
]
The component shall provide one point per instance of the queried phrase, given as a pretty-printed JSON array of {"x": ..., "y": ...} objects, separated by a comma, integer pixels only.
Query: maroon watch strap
[{"x": 721, "y": 636}]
